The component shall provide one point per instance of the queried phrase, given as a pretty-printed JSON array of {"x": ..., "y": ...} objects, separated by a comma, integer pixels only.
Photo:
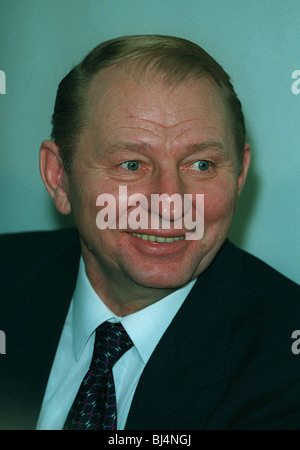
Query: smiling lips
[{"x": 159, "y": 239}]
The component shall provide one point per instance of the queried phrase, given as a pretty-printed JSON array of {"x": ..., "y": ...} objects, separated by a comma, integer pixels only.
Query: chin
[{"x": 163, "y": 281}]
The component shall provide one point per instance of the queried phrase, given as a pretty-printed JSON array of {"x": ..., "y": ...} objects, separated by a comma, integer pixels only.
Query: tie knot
[{"x": 111, "y": 342}]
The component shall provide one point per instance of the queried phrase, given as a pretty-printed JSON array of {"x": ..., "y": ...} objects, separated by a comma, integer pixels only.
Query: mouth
[{"x": 158, "y": 239}]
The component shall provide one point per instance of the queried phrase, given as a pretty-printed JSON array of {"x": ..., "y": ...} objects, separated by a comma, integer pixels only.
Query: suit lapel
[{"x": 184, "y": 377}]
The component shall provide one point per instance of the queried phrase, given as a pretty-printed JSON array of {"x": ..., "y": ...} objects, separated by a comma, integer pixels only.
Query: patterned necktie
[{"x": 94, "y": 407}]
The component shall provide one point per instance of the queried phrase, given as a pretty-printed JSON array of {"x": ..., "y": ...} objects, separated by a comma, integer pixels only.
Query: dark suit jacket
[{"x": 225, "y": 362}]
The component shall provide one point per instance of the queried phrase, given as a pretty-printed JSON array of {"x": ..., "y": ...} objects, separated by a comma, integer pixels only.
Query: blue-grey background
[{"x": 256, "y": 41}]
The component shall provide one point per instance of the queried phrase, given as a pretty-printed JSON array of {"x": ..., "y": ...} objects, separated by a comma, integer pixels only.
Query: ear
[
  {"x": 53, "y": 174},
  {"x": 245, "y": 167}
]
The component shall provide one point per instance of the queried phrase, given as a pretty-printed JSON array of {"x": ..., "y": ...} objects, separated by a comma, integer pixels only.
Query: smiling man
[{"x": 148, "y": 324}]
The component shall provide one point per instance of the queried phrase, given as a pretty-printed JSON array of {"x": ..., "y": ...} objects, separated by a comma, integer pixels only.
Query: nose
[{"x": 166, "y": 201}]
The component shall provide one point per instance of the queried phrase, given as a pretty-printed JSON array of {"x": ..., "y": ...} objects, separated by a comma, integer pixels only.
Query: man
[{"x": 208, "y": 327}]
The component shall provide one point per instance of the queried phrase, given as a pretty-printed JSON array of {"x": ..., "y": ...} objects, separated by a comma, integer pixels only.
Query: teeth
[{"x": 152, "y": 238}]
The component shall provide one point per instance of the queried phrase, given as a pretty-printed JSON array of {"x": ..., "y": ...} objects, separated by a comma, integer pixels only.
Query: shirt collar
[
  {"x": 144, "y": 327},
  {"x": 88, "y": 311}
]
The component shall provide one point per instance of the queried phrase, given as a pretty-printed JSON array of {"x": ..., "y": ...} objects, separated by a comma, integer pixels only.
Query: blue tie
[{"x": 94, "y": 407}]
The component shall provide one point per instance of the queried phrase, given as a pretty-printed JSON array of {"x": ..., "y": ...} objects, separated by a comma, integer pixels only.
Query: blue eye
[
  {"x": 202, "y": 165},
  {"x": 131, "y": 165}
]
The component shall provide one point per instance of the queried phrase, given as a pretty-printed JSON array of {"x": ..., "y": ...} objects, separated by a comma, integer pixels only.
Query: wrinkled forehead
[{"x": 119, "y": 90}]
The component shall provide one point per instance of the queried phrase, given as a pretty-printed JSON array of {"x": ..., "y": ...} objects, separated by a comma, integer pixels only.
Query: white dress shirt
[{"x": 74, "y": 353}]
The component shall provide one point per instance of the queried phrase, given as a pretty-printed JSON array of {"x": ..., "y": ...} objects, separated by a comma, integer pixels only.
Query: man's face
[{"x": 152, "y": 138}]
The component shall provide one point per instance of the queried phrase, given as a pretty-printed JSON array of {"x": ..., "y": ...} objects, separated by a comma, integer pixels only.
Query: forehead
[{"x": 117, "y": 100}]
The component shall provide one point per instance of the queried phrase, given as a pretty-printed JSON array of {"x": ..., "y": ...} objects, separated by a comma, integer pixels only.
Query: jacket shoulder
[
  {"x": 31, "y": 240},
  {"x": 256, "y": 275},
  {"x": 37, "y": 278},
  {"x": 26, "y": 254}
]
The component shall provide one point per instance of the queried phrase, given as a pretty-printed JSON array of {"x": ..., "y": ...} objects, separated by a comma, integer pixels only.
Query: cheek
[
  {"x": 219, "y": 203},
  {"x": 105, "y": 204},
  {"x": 83, "y": 201}
]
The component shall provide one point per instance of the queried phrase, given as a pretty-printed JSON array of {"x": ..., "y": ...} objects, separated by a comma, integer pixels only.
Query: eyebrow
[
  {"x": 142, "y": 146},
  {"x": 193, "y": 148},
  {"x": 130, "y": 146},
  {"x": 112, "y": 149}
]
